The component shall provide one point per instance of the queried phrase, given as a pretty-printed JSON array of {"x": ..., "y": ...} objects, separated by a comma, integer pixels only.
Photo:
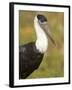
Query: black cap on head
[{"x": 42, "y": 18}]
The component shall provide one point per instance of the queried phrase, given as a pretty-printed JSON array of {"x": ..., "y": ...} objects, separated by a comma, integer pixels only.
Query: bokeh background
[{"x": 53, "y": 60}]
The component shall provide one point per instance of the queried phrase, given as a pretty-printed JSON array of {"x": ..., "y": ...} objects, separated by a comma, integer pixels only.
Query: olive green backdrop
[{"x": 53, "y": 61}]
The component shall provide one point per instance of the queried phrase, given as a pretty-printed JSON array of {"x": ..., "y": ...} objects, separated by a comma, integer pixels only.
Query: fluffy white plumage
[{"x": 42, "y": 39}]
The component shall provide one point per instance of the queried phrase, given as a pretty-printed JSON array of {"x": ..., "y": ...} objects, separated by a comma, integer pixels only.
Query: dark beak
[
  {"x": 48, "y": 33},
  {"x": 50, "y": 36}
]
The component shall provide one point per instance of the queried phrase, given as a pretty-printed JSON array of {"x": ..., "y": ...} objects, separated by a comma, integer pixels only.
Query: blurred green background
[{"x": 53, "y": 60}]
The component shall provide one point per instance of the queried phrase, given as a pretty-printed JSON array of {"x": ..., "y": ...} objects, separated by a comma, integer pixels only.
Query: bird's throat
[{"x": 42, "y": 40}]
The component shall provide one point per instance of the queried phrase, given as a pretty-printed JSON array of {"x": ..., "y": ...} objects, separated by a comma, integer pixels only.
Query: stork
[{"x": 31, "y": 54}]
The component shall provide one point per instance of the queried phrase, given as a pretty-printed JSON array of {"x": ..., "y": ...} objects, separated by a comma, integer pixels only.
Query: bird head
[{"x": 42, "y": 21}]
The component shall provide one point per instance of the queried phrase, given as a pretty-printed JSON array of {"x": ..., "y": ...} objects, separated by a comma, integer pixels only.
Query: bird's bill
[
  {"x": 45, "y": 27},
  {"x": 51, "y": 39}
]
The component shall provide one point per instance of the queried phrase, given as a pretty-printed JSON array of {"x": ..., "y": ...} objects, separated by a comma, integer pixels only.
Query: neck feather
[{"x": 42, "y": 40}]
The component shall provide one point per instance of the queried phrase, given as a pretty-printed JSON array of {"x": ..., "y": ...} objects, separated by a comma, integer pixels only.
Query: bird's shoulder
[
  {"x": 25, "y": 47},
  {"x": 28, "y": 48}
]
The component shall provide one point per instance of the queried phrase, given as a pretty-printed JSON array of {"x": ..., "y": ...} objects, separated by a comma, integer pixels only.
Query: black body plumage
[{"x": 29, "y": 59}]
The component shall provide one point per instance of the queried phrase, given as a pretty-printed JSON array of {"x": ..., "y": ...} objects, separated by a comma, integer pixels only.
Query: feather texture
[{"x": 29, "y": 59}]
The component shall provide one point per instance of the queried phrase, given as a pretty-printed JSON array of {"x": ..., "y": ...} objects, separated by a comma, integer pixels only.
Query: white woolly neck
[{"x": 42, "y": 40}]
